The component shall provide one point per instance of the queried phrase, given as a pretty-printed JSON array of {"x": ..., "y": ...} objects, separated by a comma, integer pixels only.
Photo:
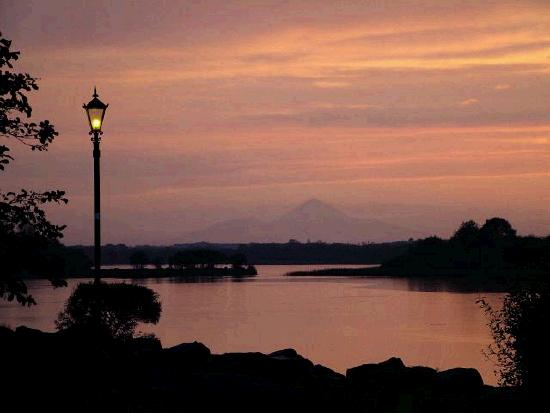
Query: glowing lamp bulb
[{"x": 96, "y": 124}]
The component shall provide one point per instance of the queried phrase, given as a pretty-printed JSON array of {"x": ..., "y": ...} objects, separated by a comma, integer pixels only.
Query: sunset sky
[{"x": 423, "y": 113}]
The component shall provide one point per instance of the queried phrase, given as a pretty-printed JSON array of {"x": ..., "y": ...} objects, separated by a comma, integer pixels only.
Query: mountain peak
[
  {"x": 314, "y": 204},
  {"x": 313, "y": 219},
  {"x": 314, "y": 210}
]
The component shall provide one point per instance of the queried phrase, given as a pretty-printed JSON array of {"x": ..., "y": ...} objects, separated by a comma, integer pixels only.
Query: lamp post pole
[
  {"x": 95, "y": 110},
  {"x": 97, "y": 207}
]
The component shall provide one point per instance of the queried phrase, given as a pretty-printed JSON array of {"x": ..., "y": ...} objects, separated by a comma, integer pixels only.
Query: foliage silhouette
[
  {"x": 201, "y": 258},
  {"x": 158, "y": 262},
  {"x": 238, "y": 260},
  {"x": 519, "y": 331},
  {"x": 265, "y": 253},
  {"x": 139, "y": 259},
  {"x": 492, "y": 249},
  {"x": 496, "y": 229},
  {"x": 24, "y": 228},
  {"x": 111, "y": 309},
  {"x": 493, "y": 255},
  {"x": 467, "y": 235}
]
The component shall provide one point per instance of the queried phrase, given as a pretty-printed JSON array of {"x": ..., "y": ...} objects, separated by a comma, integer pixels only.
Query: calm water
[{"x": 335, "y": 321}]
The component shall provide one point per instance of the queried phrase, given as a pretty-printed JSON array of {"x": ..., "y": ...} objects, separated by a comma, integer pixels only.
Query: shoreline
[
  {"x": 138, "y": 273},
  {"x": 140, "y": 375},
  {"x": 397, "y": 272}
]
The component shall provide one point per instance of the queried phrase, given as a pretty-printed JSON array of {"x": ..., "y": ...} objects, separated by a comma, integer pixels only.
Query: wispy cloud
[
  {"x": 469, "y": 102},
  {"x": 351, "y": 100}
]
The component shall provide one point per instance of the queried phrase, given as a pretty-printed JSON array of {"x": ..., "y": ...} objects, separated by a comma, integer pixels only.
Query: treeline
[
  {"x": 188, "y": 259},
  {"x": 292, "y": 252},
  {"x": 322, "y": 253},
  {"x": 32, "y": 258},
  {"x": 493, "y": 248}
]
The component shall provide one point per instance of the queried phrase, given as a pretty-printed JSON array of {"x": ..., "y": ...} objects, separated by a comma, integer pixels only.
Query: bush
[
  {"x": 114, "y": 309},
  {"x": 519, "y": 332}
]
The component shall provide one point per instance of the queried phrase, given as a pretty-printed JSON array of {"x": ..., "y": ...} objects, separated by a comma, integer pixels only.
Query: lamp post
[{"x": 95, "y": 110}]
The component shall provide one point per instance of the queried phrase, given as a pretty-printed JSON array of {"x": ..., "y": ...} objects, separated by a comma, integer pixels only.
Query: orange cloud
[
  {"x": 219, "y": 100},
  {"x": 469, "y": 102}
]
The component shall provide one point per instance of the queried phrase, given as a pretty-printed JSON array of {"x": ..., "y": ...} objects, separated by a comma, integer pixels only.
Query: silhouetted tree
[
  {"x": 114, "y": 309},
  {"x": 139, "y": 259},
  {"x": 496, "y": 229},
  {"x": 201, "y": 258},
  {"x": 496, "y": 237},
  {"x": 238, "y": 260},
  {"x": 467, "y": 234},
  {"x": 23, "y": 223},
  {"x": 157, "y": 262},
  {"x": 519, "y": 330},
  {"x": 208, "y": 258},
  {"x": 182, "y": 259}
]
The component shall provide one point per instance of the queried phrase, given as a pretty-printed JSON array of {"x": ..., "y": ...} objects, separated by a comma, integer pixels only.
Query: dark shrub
[{"x": 115, "y": 309}]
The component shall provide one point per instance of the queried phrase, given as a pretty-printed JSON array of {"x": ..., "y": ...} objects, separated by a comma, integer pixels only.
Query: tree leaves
[
  {"x": 24, "y": 228},
  {"x": 518, "y": 328},
  {"x": 14, "y": 102},
  {"x": 114, "y": 308}
]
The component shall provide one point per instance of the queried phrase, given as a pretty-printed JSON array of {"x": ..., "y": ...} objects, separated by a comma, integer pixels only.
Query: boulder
[
  {"x": 145, "y": 345},
  {"x": 281, "y": 366},
  {"x": 31, "y": 334},
  {"x": 290, "y": 355},
  {"x": 420, "y": 377},
  {"x": 287, "y": 353},
  {"x": 387, "y": 373},
  {"x": 328, "y": 374},
  {"x": 460, "y": 380},
  {"x": 6, "y": 333},
  {"x": 7, "y": 339},
  {"x": 190, "y": 354}
]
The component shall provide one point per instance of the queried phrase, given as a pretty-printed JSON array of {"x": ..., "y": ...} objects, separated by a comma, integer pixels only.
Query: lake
[{"x": 339, "y": 322}]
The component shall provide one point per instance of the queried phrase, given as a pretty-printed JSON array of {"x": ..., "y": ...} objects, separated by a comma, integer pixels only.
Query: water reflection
[
  {"x": 336, "y": 321},
  {"x": 456, "y": 285}
]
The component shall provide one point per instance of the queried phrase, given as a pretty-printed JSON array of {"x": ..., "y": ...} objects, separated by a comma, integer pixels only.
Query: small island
[
  {"x": 73, "y": 262},
  {"x": 171, "y": 272}
]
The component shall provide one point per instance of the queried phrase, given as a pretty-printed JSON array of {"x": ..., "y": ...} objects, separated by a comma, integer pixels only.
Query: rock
[
  {"x": 420, "y": 376},
  {"x": 387, "y": 373},
  {"x": 282, "y": 365},
  {"x": 27, "y": 333},
  {"x": 7, "y": 338},
  {"x": 138, "y": 374},
  {"x": 376, "y": 387},
  {"x": 287, "y": 353},
  {"x": 290, "y": 355},
  {"x": 328, "y": 374},
  {"x": 6, "y": 333},
  {"x": 145, "y": 345},
  {"x": 189, "y": 354},
  {"x": 460, "y": 380},
  {"x": 36, "y": 341}
]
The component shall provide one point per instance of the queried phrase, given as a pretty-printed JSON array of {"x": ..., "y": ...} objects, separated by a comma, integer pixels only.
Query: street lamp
[{"x": 95, "y": 110}]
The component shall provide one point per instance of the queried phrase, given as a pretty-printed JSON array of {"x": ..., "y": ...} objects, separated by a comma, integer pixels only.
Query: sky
[{"x": 424, "y": 113}]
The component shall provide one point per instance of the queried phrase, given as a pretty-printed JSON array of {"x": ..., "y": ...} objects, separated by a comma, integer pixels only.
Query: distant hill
[{"x": 313, "y": 220}]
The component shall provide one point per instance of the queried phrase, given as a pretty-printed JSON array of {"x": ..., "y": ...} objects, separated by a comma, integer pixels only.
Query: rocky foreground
[{"x": 78, "y": 372}]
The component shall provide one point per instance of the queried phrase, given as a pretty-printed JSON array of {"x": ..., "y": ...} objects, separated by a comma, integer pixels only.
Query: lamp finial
[{"x": 95, "y": 92}]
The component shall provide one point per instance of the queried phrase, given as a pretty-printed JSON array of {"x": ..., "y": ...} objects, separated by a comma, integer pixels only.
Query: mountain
[{"x": 313, "y": 220}]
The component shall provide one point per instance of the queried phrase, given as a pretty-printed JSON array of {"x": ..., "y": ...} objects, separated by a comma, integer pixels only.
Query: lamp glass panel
[{"x": 95, "y": 116}]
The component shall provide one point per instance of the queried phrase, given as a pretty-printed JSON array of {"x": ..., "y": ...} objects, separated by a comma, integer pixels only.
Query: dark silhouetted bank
[
  {"x": 492, "y": 252},
  {"x": 76, "y": 371}
]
